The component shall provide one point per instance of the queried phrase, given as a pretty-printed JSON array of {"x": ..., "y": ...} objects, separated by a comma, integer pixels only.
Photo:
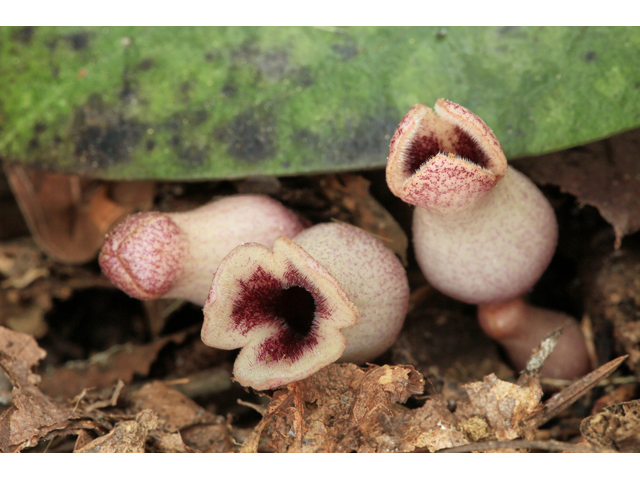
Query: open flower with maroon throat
[
  {"x": 483, "y": 233},
  {"x": 333, "y": 292}
]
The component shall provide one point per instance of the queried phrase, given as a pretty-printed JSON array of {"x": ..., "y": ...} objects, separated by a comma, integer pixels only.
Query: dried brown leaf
[
  {"x": 620, "y": 394},
  {"x": 175, "y": 411},
  {"x": 504, "y": 405},
  {"x": 613, "y": 303},
  {"x": 23, "y": 348},
  {"x": 605, "y": 174},
  {"x": 351, "y": 192},
  {"x": 211, "y": 438},
  {"x": 69, "y": 215},
  {"x": 344, "y": 408},
  {"x": 616, "y": 428},
  {"x": 104, "y": 369},
  {"x": 183, "y": 425},
  {"x": 33, "y": 416},
  {"x": 170, "y": 443},
  {"x": 126, "y": 437}
]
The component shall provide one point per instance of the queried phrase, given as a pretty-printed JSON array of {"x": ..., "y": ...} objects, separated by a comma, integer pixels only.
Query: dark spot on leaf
[
  {"x": 129, "y": 81},
  {"x": 172, "y": 124},
  {"x": 514, "y": 130},
  {"x": 346, "y": 50},
  {"x": 102, "y": 136},
  {"x": 198, "y": 117},
  {"x": 78, "y": 41},
  {"x": 193, "y": 155},
  {"x": 505, "y": 30},
  {"x": 370, "y": 137},
  {"x": 185, "y": 90},
  {"x": 23, "y": 35},
  {"x": 250, "y": 136},
  {"x": 304, "y": 76},
  {"x": 39, "y": 127},
  {"x": 590, "y": 56},
  {"x": 305, "y": 137},
  {"x": 271, "y": 64},
  {"x": 212, "y": 56},
  {"x": 150, "y": 145},
  {"x": 51, "y": 43},
  {"x": 128, "y": 91},
  {"x": 228, "y": 91},
  {"x": 145, "y": 64},
  {"x": 33, "y": 144}
]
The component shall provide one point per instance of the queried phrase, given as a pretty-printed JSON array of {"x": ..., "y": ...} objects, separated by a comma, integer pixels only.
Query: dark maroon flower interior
[
  {"x": 424, "y": 147},
  {"x": 265, "y": 299}
]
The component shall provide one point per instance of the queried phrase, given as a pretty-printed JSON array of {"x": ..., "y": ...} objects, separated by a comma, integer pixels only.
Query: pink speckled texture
[
  {"x": 373, "y": 278},
  {"x": 451, "y": 136},
  {"x": 145, "y": 255},
  {"x": 184, "y": 256},
  {"x": 490, "y": 253},
  {"x": 520, "y": 327},
  {"x": 482, "y": 231},
  {"x": 439, "y": 185}
]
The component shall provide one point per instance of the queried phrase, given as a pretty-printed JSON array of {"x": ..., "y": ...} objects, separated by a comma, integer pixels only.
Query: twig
[{"x": 573, "y": 392}]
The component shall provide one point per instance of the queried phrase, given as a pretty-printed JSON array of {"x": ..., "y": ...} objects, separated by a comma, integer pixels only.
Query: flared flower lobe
[
  {"x": 283, "y": 309},
  {"x": 443, "y": 160}
]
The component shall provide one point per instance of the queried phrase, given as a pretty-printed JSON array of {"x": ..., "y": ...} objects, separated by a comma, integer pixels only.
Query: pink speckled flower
[
  {"x": 333, "y": 292},
  {"x": 482, "y": 231},
  {"x": 174, "y": 255}
]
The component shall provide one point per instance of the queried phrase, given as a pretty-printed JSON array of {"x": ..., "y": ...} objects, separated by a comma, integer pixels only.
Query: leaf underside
[{"x": 215, "y": 102}]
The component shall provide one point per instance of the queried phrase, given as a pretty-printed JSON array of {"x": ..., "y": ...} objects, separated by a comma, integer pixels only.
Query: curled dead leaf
[{"x": 69, "y": 215}]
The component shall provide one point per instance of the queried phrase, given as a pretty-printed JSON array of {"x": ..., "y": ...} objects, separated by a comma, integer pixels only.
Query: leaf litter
[{"x": 168, "y": 393}]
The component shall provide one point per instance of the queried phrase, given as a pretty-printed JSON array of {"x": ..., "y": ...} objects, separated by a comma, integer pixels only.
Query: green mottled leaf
[{"x": 198, "y": 103}]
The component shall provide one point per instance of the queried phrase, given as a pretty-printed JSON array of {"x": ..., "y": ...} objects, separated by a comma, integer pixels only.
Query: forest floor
[{"x": 87, "y": 368}]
